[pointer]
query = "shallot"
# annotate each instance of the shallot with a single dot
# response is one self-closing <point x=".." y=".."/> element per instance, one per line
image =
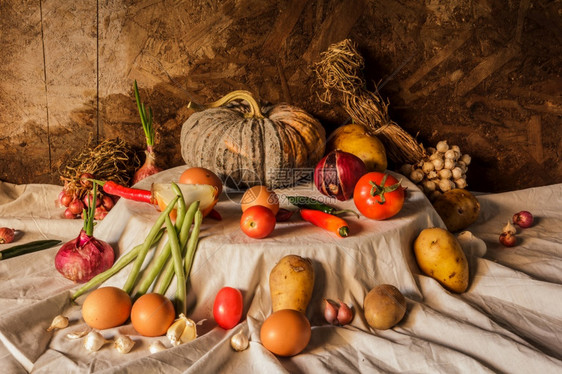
<point x="149" y="167"/>
<point x="523" y="219"/>
<point x="337" y="315"/>
<point x="508" y="239"/>
<point x="6" y="235"/>
<point x="85" y="257"/>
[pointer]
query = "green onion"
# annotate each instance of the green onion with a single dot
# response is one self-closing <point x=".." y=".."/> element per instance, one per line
<point x="146" y="122"/>
<point x="30" y="247"/>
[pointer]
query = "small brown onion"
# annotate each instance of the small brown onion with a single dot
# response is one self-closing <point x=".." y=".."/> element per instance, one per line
<point x="6" y="235"/>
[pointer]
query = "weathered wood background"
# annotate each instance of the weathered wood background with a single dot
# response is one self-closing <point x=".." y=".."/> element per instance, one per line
<point x="483" y="74"/>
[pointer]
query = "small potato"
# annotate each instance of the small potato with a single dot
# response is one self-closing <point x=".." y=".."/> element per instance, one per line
<point x="291" y="282"/>
<point x="384" y="306"/>
<point x="458" y="208"/>
<point x="440" y="256"/>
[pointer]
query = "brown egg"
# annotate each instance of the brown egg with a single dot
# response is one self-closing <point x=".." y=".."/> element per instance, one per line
<point x="196" y="175"/>
<point x="285" y="332"/>
<point x="260" y="195"/>
<point x="106" y="307"/>
<point x="152" y="314"/>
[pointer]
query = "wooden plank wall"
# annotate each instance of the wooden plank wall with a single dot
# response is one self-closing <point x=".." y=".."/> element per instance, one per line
<point x="483" y="74"/>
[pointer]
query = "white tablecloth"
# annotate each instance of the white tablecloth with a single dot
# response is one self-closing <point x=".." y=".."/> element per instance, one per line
<point x="509" y="320"/>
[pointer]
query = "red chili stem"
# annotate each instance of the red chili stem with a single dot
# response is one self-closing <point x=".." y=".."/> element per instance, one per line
<point x="135" y="194"/>
<point x="326" y="221"/>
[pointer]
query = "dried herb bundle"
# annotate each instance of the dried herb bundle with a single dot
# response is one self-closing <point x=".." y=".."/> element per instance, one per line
<point x="112" y="159"/>
<point x="340" y="72"/>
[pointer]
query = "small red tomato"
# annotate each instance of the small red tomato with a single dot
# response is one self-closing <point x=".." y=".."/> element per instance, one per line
<point x="378" y="195"/>
<point x="228" y="307"/>
<point x="257" y="221"/>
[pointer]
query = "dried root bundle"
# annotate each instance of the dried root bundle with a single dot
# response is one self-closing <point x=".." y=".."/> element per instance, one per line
<point x="112" y="159"/>
<point x="340" y="72"/>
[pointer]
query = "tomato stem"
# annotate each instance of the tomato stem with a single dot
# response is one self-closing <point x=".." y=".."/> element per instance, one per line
<point x="380" y="190"/>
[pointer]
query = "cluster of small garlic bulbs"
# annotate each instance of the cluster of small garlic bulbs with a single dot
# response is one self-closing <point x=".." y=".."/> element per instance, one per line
<point x="443" y="170"/>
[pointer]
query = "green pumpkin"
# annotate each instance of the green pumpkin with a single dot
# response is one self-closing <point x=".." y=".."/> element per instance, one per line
<point x="246" y="145"/>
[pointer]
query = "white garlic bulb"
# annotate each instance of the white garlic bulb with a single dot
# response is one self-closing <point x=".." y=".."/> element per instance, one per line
<point x="446" y="185"/>
<point x="442" y="146"/>
<point x="460" y="183"/>
<point x="436" y="155"/>
<point x="449" y="164"/>
<point x="445" y="174"/>
<point x="239" y="341"/>
<point x="456" y="148"/>
<point x="466" y="159"/>
<point x="94" y="341"/>
<point x="438" y="164"/>
<point x="463" y="166"/>
<point x="431" y="175"/>
<point x="430" y="150"/>
<point x="123" y="344"/>
<point x="406" y="169"/>
<point x="427" y="167"/>
<point x="428" y="186"/>
<point x="457" y="172"/>
<point x="416" y="175"/>
<point x="451" y="155"/>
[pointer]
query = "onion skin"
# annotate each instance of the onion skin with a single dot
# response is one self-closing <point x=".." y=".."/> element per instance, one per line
<point x="148" y="168"/>
<point x="337" y="173"/>
<point x="83" y="258"/>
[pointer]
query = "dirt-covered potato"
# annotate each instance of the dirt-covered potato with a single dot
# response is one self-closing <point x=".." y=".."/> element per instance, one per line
<point x="458" y="208"/>
<point x="384" y="306"/>
<point x="440" y="256"/>
<point x="291" y="282"/>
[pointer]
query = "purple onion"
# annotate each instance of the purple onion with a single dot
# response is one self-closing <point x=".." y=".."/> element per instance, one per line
<point x="83" y="258"/>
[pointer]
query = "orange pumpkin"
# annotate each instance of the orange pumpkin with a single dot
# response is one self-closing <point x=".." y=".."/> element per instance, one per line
<point x="246" y="145"/>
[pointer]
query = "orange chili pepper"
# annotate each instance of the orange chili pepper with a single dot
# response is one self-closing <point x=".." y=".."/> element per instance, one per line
<point x="326" y="221"/>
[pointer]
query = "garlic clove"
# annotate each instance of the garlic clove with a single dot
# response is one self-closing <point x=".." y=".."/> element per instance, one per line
<point x="509" y="228"/>
<point x="59" y="322"/>
<point x="345" y="314"/>
<point x="94" y="341"/>
<point x="183" y="330"/>
<point x="123" y="344"/>
<point x="330" y="312"/>
<point x="239" y="341"/>
<point x="156" y="347"/>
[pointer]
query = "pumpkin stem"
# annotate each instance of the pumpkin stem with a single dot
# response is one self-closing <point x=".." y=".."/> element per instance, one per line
<point x="255" y="111"/>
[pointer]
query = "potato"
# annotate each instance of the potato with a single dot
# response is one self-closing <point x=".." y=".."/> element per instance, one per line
<point x="458" y="208"/>
<point x="384" y="306"/>
<point x="440" y="256"/>
<point x="291" y="282"/>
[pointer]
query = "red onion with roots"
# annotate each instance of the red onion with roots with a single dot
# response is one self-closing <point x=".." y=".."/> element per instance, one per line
<point x="337" y="173"/>
<point x="149" y="167"/>
<point x="85" y="257"/>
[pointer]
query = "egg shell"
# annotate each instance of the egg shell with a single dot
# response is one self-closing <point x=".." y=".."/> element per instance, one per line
<point x="106" y="307"/>
<point x="152" y="314"/>
<point x="260" y="195"/>
<point x="285" y="332"/>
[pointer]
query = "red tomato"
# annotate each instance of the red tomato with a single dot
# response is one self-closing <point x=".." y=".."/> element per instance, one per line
<point x="228" y="307"/>
<point x="378" y="195"/>
<point x="257" y="221"/>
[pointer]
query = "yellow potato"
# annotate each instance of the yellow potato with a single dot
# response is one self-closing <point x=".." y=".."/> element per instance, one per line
<point x="384" y="306"/>
<point x="440" y="256"/>
<point x="458" y="208"/>
<point x="290" y="283"/>
<point x="356" y="140"/>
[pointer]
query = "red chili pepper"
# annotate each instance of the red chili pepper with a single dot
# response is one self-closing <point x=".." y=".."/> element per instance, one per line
<point x="128" y="193"/>
<point x="326" y="221"/>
